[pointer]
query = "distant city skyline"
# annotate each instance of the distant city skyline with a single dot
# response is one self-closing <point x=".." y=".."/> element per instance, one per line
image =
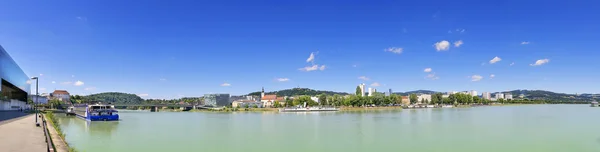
<point x="170" y="50"/>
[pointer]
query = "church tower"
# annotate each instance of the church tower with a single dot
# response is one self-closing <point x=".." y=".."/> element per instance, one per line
<point x="262" y="93"/>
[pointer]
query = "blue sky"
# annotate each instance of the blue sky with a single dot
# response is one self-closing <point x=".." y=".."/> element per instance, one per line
<point x="169" y="49"/>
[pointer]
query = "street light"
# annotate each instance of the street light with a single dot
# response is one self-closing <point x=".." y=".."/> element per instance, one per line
<point x="36" y="100"/>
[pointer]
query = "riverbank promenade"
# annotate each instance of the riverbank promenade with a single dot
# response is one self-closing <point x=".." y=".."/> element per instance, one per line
<point x="21" y="135"/>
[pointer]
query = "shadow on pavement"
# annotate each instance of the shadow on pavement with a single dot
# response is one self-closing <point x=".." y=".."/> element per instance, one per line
<point x="9" y="115"/>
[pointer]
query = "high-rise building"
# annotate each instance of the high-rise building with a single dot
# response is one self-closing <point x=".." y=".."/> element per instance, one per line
<point x="473" y="93"/>
<point x="388" y="93"/>
<point x="499" y="95"/>
<point x="216" y="100"/>
<point x="362" y="89"/>
<point x="486" y="95"/>
<point x="371" y="91"/>
<point x="508" y="96"/>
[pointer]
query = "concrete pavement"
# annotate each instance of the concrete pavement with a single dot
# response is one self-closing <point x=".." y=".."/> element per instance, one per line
<point x="21" y="135"/>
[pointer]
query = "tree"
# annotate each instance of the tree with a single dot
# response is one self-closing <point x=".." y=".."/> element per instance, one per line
<point x="426" y="101"/>
<point x="246" y="106"/>
<point x="501" y="100"/>
<point x="289" y="103"/>
<point x="413" y="98"/>
<point x="446" y="101"/>
<point x="305" y="99"/>
<point x="322" y="99"/>
<point x="358" y="91"/>
<point x="434" y="99"/>
<point x="452" y="99"/>
<point x="276" y="104"/>
<point x="337" y="100"/>
<point x="254" y="106"/>
<point x="476" y="99"/>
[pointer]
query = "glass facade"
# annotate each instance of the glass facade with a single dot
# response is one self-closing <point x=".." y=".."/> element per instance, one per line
<point x="15" y="83"/>
<point x="216" y="100"/>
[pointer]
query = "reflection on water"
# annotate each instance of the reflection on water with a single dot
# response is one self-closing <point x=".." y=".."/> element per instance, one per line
<point x="94" y="128"/>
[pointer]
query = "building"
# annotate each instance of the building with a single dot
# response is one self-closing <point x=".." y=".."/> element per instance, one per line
<point x="486" y="95"/>
<point x="269" y="100"/>
<point x="39" y="99"/>
<point x="424" y="97"/>
<point x="388" y="93"/>
<point x="372" y="91"/>
<point x="405" y="100"/>
<point x="246" y="103"/>
<point x="508" y="96"/>
<point x="216" y="100"/>
<point x="452" y="92"/>
<point x="316" y="99"/>
<point x="61" y="95"/>
<point x="499" y="96"/>
<point x="15" y="84"/>
<point x="362" y="89"/>
<point x="473" y="93"/>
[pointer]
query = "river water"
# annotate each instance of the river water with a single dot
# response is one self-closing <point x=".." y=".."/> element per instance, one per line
<point x="526" y="128"/>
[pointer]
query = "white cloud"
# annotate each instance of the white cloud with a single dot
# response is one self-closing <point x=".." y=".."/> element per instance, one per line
<point x="476" y="78"/>
<point x="364" y="78"/>
<point x="309" y="68"/>
<point x="89" y="88"/>
<point x="311" y="58"/>
<point x="142" y="95"/>
<point x="81" y="18"/>
<point x="225" y="84"/>
<point x="540" y="62"/>
<point x="394" y="50"/>
<point x="66" y="83"/>
<point x="458" y="43"/>
<point x="78" y="83"/>
<point x="442" y="45"/>
<point x="524" y="43"/>
<point x="53" y="81"/>
<point x="322" y="67"/>
<point x="427" y="70"/>
<point x="460" y="30"/>
<point x="283" y="79"/>
<point x="432" y="76"/>
<point x="495" y="59"/>
<point x="492" y="76"/>
<point x="41" y="74"/>
<point x="376" y="84"/>
<point x="511" y="64"/>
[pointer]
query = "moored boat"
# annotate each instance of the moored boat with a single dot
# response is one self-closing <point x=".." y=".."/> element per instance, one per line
<point x="96" y="112"/>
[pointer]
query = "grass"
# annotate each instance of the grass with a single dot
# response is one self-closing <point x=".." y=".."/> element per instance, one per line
<point x="54" y="122"/>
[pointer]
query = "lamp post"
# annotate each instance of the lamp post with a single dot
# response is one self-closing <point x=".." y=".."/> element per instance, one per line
<point x="36" y="100"/>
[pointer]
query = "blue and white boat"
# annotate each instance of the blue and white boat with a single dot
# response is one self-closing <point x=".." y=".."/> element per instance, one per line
<point x="96" y="112"/>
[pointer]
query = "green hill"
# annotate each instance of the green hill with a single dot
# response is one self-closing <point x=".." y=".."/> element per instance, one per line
<point x="298" y="92"/>
<point x="113" y="97"/>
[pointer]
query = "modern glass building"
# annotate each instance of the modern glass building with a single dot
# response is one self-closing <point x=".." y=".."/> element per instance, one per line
<point x="216" y="100"/>
<point x="15" y="85"/>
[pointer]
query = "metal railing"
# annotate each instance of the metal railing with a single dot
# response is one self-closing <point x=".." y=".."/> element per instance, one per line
<point x="47" y="134"/>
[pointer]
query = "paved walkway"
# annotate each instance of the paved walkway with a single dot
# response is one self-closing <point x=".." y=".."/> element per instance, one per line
<point x="21" y="135"/>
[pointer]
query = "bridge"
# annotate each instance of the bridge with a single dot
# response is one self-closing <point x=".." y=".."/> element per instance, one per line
<point x="156" y="107"/>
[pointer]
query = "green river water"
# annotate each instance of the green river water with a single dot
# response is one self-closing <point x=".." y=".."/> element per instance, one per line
<point x="526" y="128"/>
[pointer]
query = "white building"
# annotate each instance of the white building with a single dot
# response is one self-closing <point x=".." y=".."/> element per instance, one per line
<point x="452" y="92"/>
<point x="486" y="95"/>
<point x="61" y="95"/>
<point x="499" y="95"/>
<point x="424" y="97"/>
<point x="371" y="91"/>
<point x="316" y="99"/>
<point x="362" y="89"/>
<point x="473" y="93"/>
<point x="508" y="96"/>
